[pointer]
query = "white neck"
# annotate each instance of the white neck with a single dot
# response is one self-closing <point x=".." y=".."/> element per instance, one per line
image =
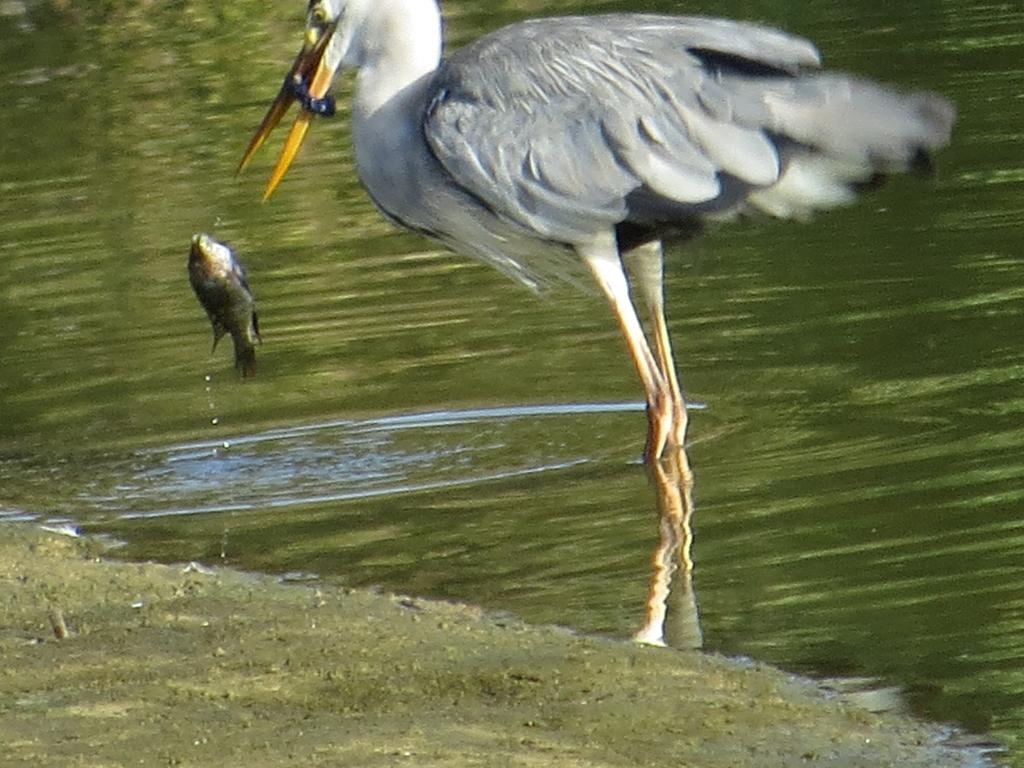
<point x="394" y="44"/>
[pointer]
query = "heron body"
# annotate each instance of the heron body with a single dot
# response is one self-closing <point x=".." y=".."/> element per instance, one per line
<point x="561" y="142"/>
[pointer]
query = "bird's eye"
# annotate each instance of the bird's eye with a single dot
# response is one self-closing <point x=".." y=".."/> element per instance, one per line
<point x="318" y="13"/>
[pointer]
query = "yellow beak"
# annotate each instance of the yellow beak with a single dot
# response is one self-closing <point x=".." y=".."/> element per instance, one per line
<point x="311" y="68"/>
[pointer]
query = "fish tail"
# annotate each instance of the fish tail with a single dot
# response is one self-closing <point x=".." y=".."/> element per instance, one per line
<point x="245" y="358"/>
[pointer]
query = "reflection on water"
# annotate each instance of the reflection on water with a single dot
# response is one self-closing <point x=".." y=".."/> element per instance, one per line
<point x="672" y="561"/>
<point x="860" y="465"/>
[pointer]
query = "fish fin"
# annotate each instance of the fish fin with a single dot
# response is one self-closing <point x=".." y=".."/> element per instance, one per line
<point x="218" y="334"/>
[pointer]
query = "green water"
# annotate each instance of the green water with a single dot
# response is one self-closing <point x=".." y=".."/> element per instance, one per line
<point x="422" y="424"/>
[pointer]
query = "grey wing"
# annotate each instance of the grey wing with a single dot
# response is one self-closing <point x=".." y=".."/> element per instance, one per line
<point x="573" y="124"/>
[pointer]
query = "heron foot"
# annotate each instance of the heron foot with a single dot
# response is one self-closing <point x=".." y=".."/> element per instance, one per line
<point x="666" y="428"/>
<point x="659" y="427"/>
<point x="299" y="88"/>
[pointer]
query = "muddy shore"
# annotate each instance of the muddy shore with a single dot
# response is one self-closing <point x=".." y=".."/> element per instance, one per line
<point x="178" y="666"/>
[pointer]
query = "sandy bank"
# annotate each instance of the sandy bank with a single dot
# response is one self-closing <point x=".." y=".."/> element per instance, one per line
<point x="170" y="666"/>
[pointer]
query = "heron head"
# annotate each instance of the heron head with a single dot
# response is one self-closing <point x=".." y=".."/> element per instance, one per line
<point x="400" y="36"/>
<point x="326" y="48"/>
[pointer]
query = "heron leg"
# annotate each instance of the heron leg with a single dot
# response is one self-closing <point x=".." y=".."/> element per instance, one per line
<point x="646" y="267"/>
<point x="602" y="258"/>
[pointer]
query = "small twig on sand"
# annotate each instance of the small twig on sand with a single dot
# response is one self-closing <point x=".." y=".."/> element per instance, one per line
<point x="60" y="629"/>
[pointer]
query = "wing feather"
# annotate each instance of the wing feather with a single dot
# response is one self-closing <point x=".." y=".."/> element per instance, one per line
<point x="572" y="124"/>
<point x="554" y="123"/>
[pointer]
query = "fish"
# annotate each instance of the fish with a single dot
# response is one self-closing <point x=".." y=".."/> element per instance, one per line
<point x="222" y="286"/>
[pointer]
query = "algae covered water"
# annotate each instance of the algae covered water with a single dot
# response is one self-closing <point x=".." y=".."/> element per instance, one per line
<point x="421" y="424"/>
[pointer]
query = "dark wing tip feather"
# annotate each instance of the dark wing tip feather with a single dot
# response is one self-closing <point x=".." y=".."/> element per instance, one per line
<point x="735" y="64"/>
<point x="922" y="164"/>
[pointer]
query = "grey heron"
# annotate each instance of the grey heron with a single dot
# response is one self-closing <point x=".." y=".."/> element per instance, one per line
<point x="594" y="139"/>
